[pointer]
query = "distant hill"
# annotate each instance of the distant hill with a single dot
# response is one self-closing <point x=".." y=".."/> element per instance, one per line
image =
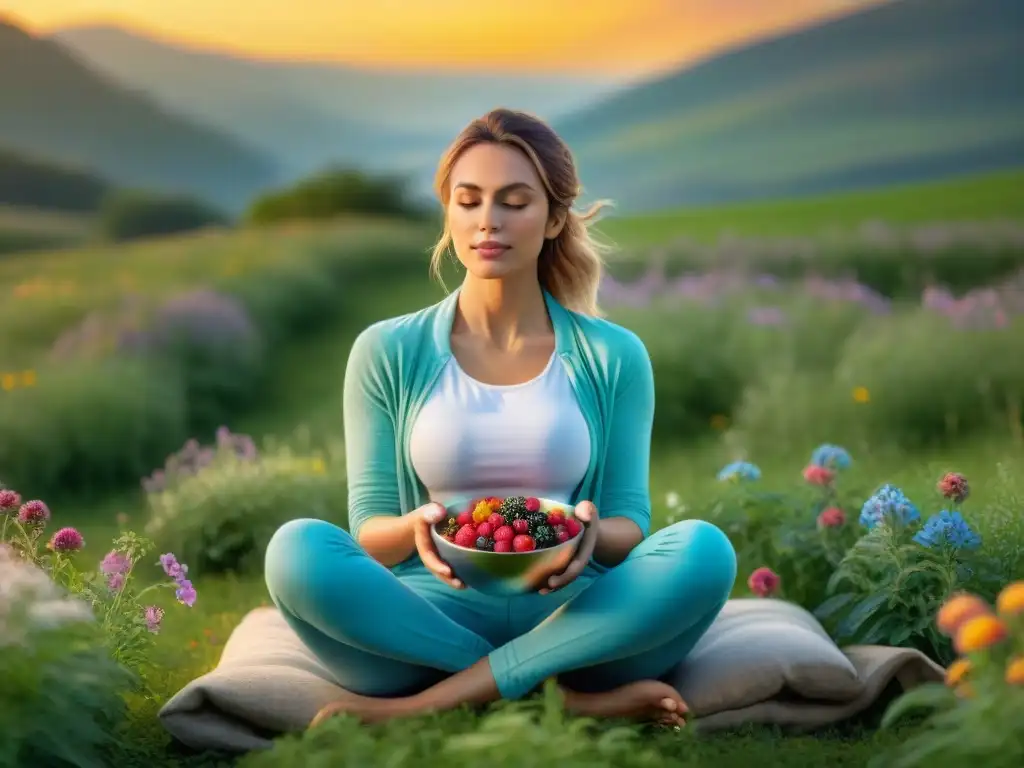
<point x="316" y="114"/>
<point x="55" y="106"/>
<point x="907" y="91"/>
<point x="30" y="182"/>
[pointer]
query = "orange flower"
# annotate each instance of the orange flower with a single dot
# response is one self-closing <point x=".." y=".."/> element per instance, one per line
<point x="979" y="633"/>
<point x="957" y="671"/>
<point x="1011" y="600"/>
<point x="1015" y="671"/>
<point x="482" y="512"/>
<point x="957" y="610"/>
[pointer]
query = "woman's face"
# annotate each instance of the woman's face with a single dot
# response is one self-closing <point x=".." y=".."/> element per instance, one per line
<point x="498" y="212"/>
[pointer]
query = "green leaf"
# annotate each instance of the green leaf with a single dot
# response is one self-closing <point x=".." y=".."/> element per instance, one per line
<point x="930" y="696"/>
<point x="833" y="604"/>
<point x="863" y="611"/>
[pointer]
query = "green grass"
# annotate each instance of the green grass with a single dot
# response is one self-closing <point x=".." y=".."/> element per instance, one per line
<point x="990" y="196"/>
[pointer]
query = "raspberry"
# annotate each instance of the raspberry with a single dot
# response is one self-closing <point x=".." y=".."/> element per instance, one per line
<point x="572" y="525"/>
<point x="466" y="536"/>
<point x="520" y="526"/>
<point x="556" y="519"/>
<point x="465" y="518"/>
<point x="562" y="534"/>
<point x="523" y="543"/>
<point x="532" y="504"/>
<point x="504" y="545"/>
<point x="484" y="543"/>
<point x="496" y="520"/>
<point x="484" y="529"/>
<point x="504" y="533"/>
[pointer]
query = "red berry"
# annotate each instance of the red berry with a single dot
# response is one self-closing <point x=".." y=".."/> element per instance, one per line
<point x="504" y="533"/>
<point x="520" y="526"/>
<point x="556" y="519"/>
<point x="484" y="529"/>
<point x="496" y="520"/>
<point x="523" y="543"/>
<point x="562" y="534"/>
<point x="466" y="536"/>
<point x="572" y="525"/>
<point x="465" y="518"/>
<point x="532" y="504"/>
<point x="503" y="545"/>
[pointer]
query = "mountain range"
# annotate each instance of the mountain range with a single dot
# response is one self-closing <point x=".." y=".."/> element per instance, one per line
<point x="904" y="91"/>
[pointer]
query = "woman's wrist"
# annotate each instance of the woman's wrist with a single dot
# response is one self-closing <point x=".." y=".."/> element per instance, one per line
<point x="616" y="538"/>
<point x="389" y="539"/>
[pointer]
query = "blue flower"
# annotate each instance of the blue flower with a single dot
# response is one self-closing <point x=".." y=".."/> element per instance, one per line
<point x="888" y="502"/>
<point x="831" y="457"/>
<point x="947" y="528"/>
<point x="740" y="470"/>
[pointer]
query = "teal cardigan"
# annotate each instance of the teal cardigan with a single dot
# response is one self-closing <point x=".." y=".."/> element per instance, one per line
<point x="394" y="364"/>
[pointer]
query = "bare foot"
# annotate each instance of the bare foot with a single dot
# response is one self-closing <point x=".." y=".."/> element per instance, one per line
<point x="367" y="709"/>
<point x="643" y="700"/>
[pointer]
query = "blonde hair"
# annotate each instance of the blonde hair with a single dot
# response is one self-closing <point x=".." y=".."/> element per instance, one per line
<point x="570" y="265"/>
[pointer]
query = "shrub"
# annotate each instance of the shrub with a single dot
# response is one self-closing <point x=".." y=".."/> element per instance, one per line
<point x="219" y="506"/>
<point x="130" y="215"/>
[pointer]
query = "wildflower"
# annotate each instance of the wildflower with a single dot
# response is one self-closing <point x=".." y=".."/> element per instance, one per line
<point x="115" y="563"/>
<point x="1010" y="601"/>
<point x="672" y="500"/>
<point x="185" y="593"/>
<point x="831" y="517"/>
<point x="979" y="633"/>
<point x="959" y="609"/>
<point x="861" y="395"/>
<point x="739" y="470"/>
<point x="816" y="475"/>
<point x="888" y="503"/>
<point x="66" y="540"/>
<point x="947" y="528"/>
<point x="115" y="582"/>
<point x="957" y="671"/>
<point x="954" y="487"/>
<point x="831" y="457"/>
<point x="9" y="500"/>
<point x="172" y="567"/>
<point x="33" y="513"/>
<point x="154" y="616"/>
<point x="1015" y="671"/>
<point x="763" y="582"/>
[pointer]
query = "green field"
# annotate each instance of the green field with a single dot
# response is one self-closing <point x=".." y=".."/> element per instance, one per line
<point x="762" y="394"/>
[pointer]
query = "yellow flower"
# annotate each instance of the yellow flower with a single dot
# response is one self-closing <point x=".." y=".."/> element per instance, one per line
<point x="8" y="381"/>
<point x="318" y="466"/>
<point x="957" y="610"/>
<point x="1015" y="671"/>
<point x="957" y="672"/>
<point x="481" y="512"/>
<point x="28" y="378"/>
<point x="979" y="633"/>
<point x="1011" y="600"/>
<point x="861" y="395"/>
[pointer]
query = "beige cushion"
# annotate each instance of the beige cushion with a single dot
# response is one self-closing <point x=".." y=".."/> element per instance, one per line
<point x="762" y="661"/>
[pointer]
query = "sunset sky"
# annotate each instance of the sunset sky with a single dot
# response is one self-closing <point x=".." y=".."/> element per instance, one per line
<point x="604" y="36"/>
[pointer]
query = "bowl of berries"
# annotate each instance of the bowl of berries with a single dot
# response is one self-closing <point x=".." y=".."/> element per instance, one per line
<point x="508" y="546"/>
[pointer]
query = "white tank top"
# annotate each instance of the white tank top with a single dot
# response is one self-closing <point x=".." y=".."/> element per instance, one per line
<point x="474" y="439"/>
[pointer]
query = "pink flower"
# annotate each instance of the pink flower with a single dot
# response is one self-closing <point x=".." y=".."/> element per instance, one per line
<point x="172" y="567"/>
<point x="763" y="582"/>
<point x="66" y="540"/>
<point x="185" y="593"/>
<point x="816" y="475"/>
<point x="33" y="513"/>
<point x="154" y="616"/>
<point x="9" y="500"/>
<point x="832" y="517"/>
<point x="954" y="486"/>
<point x="115" y="563"/>
<point x="115" y="582"/>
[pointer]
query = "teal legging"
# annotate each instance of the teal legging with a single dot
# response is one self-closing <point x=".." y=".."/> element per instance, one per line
<point x="387" y="634"/>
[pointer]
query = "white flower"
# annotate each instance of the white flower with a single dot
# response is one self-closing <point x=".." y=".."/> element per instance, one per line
<point x="672" y="500"/>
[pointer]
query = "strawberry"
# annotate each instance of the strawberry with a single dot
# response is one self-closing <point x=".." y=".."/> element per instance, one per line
<point x="466" y="536"/>
<point x="520" y="526"/>
<point x="503" y="545"/>
<point x="504" y="533"/>
<point x="572" y="525"/>
<point x="484" y="529"/>
<point x="523" y="543"/>
<point x="556" y="519"/>
<point x="465" y="518"/>
<point x="532" y="504"/>
<point x="496" y="520"/>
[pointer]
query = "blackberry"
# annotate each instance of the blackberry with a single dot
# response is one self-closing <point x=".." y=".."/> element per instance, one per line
<point x="485" y="543"/>
<point x="545" y="536"/>
<point x="448" y="527"/>
<point x="536" y="519"/>
<point x="513" y="508"/>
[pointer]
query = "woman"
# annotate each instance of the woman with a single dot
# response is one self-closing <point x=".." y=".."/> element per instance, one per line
<point x="510" y="386"/>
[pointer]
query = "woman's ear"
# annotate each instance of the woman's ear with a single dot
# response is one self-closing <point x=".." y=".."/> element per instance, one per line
<point x="556" y="222"/>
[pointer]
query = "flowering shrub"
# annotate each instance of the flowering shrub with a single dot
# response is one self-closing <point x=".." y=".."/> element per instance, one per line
<point x="219" y="506"/>
<point x="977" y="714"/>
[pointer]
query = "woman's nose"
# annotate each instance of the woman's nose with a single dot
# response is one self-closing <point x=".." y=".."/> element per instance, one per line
<point x="490" y="219"/>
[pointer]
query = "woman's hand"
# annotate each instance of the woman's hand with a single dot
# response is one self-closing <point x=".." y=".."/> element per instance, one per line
<point x="586" y="513"/>
<point x="423" y="518"/>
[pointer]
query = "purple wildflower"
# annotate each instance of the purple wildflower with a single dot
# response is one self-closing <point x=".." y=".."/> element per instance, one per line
<point x="66" y="540"/>
<point x="115" y="563"/>
<point x="154" y="616"/>
<point x="9" y="500"/>
<point x="115" y="582"/>
<point x="33" y="513"/>
<point x="185" y="593"/>
<point x="172" y="567"/>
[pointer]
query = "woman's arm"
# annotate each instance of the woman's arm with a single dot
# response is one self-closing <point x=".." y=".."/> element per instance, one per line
<point x="374" y="509"/>
<point x="624" y="509"/>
